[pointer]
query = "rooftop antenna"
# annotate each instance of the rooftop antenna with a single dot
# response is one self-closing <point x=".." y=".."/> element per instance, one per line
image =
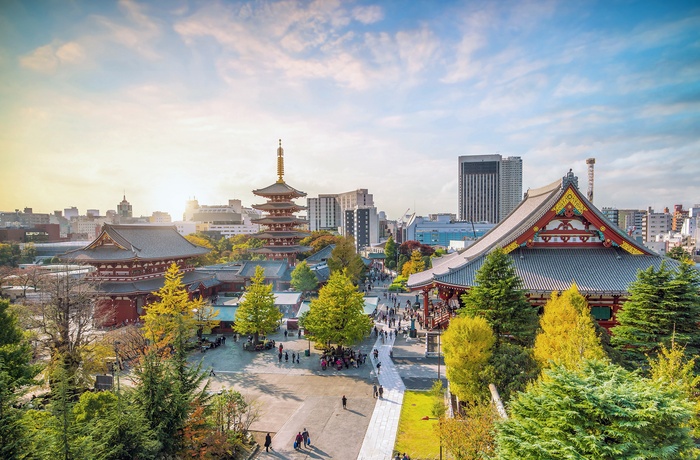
<point x="591" y="164"/>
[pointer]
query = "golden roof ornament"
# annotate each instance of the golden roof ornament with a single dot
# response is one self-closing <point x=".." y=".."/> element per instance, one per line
<point x="280" y="163"/>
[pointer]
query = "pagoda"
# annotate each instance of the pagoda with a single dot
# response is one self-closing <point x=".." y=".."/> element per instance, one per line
<point x="281" y="233"/>
<point x="555" y="237"/>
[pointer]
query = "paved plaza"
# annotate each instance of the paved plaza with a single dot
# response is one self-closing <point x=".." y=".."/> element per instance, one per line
<point x="294" y="396"/>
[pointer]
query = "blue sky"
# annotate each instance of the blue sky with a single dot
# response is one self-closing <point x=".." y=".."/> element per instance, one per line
<point x="169" y="100"/>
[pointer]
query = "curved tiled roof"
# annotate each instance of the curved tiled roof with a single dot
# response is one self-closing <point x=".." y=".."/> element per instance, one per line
<point x="190" y="279"/>
<point x="277" y="205"/>
<point x="145" y="242"/>
<point x="270" y="220"/>
<point x="529" y="211"/>
<point x="279" y="188"/>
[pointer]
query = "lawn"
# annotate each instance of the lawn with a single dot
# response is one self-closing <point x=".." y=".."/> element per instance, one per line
<point x="417" y="437"/>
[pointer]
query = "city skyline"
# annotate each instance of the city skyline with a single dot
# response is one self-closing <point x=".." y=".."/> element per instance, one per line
<point x="168" y="101"/>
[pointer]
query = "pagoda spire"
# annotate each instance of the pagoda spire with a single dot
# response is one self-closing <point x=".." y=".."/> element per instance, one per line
<point x="280" y="163"/>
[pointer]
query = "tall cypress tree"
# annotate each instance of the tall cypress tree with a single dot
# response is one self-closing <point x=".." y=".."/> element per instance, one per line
<point x="661" y="301"/>
<point x="500" y="299"/>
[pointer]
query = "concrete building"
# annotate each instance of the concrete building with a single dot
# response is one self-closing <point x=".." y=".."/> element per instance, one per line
<point x="222" y="220"/>
<point x="124" y="209"/>
<point x="362" y="223"/>
<point x="70" y="213"/>
<point x="160" y="217"/>
<point x="655" y="223"/>
<point x="490" y="187"/>
<point x="324" y="213"/>
<point x="612" y="214"/>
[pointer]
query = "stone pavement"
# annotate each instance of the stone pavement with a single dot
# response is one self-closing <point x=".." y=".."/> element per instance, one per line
<point x="292" y="397"/>
<point x="381" y="434"/>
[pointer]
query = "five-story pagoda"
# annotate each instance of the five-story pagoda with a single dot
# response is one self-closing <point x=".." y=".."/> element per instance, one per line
<point x="281" y="234"/>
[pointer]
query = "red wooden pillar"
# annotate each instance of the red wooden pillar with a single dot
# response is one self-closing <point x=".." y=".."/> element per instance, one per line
<point x="425" y="307"/>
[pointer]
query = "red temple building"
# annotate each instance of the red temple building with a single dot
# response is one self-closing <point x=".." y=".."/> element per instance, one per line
<point x="555" y="237"/>
<point x="130" y="263"/>
<point x="281" y="234"/>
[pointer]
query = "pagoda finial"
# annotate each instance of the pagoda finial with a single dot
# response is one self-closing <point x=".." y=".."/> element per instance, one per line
<point x="280" y="163"/>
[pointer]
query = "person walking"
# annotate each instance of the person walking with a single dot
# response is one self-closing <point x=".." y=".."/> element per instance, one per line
<point x="345" y="402"/>
<point x="279" y="355"/>
<point x="379" y="367"/>
<point x="307" y="438"/>
<point x="294" y="357"/>
<point x="374" y="393"/>
<point x="268" y="442"/>
<point x="286" y="357"/>
<point x="298" y="440"/>
<point x="381" y="392"/>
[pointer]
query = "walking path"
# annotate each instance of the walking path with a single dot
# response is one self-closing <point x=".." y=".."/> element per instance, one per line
<point x="381" y="434"/>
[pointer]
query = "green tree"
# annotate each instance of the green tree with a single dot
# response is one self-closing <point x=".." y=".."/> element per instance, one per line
<point x="567" y="333"/>
<point x="204" y="241"/>
<point x="662" y="303"/>
<point x="595" y="411"/>
<point x="337" y="316"/>
<point x="16" y="371"/>
<point x="671" y="368"/>
<point x="10" y="254"/>
<point x="345" y="258"/>
<point x="318" y="240"/>
<point x="303" y="279"/>
<point x="257" y="313"/>
<point x="498" y="296"/>
<point x="678" y="253"/>
<point x="390" y="252"/>
<point x="467" y="344"/>
<point x="511" y="368"/>
<point x="173" y="311"/>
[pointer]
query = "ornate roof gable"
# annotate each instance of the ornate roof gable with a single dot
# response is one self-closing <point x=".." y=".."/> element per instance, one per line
<point x="574" y="222"/>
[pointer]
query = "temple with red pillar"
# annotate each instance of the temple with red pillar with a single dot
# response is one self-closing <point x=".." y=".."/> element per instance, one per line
<point x="281" y="235"/>
<point x="130" y="263"/>
<point x="555" y="237"/>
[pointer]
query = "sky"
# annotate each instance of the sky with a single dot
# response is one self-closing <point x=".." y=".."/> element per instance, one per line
<point x="165" y="101"/>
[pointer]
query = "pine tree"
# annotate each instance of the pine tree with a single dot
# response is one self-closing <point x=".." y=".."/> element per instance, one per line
<point x="303" y="279"/>
<point x="567" y="333"/>
<point x="499" y="298"/>
<point x="660" y="303"/>
<point x="596" y="411"/>
<point x="337" y="316"/>
<point x="257" y="313"/>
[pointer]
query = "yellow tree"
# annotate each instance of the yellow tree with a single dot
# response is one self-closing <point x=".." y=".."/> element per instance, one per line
<point x="467" y="344"/>
<point x="415" y="265"/>
<point x="257" y="313"/>
<point x="173" y="313"/>
<point x="567" y="333"/>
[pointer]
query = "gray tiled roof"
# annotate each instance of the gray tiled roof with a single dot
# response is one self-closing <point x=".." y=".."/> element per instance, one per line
<point x="278" y="220"/>
<point x="320" y="256"/>
<point x="151" y="285"/>
<point x="594" y="270"/>
<point x="145" y="242"/>
<point x="279" y="188"/>
<point x="529" y="211"/>
<point x="280" y="249"/>
<point x="286" y="205"/>
<point x="274" y="269"/>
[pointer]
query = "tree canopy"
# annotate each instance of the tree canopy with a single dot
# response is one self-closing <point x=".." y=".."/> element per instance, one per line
<point x="414" y="265"/>
<point x="390" y="252"/>
<point x="567" y="333"/>
<point x="498" y="297"/>
<point x="596" y="411"/>
<point x="467" y="344"/>
<point x="173" y="311"/>
<point x="344" y="258"/>
<point x="257" y="313"/>
<point x="303" y="279"/>
<point x="678" y="253"/>
<point x="337" y="316"/>
<point x="662" y="304"/>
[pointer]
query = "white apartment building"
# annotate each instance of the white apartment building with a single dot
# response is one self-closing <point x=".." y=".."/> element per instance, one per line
<point x="227" y="220"/>
<point x="324" y="213"/>
<point x="655" y="223"/>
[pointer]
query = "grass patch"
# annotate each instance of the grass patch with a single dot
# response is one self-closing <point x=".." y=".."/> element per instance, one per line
<point x="417" y="437"/>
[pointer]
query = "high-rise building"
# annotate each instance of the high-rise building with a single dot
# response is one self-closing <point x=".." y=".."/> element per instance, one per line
<point x="361" y="222"/>
<point x="324" y="213"/>
<point x="490" y="187"/>
<point x="124" y="208"/>
<point x="655" y="223"/>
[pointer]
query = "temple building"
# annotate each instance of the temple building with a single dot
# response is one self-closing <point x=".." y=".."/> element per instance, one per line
<point x="281" y="234"/>
<point x="131" y="261"/>
<point x="555" y="237"/>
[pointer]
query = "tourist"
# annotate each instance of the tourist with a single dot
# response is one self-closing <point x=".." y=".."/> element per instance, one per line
<point x="379" y="367"/>
<point x="294" y="357"/>
<point x="374" y="392"/>
<point x="345" y="402"/>
<point x="381" y="392"/>
<point x="298" y="440"/>
<point x="305" y="435"/>
<point x="279" y="355"/>
<point x="286" y="357"/>
<point x="268" y="442"/>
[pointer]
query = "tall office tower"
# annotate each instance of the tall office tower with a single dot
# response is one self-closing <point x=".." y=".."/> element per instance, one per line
<point x="490" y="187"/>
<point x="362" y="224"/>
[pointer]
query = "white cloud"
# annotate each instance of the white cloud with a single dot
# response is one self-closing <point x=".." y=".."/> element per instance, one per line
<point x="368" y="14"/>
<point x="575" y="85"/>
<point x="49" y="58"/>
